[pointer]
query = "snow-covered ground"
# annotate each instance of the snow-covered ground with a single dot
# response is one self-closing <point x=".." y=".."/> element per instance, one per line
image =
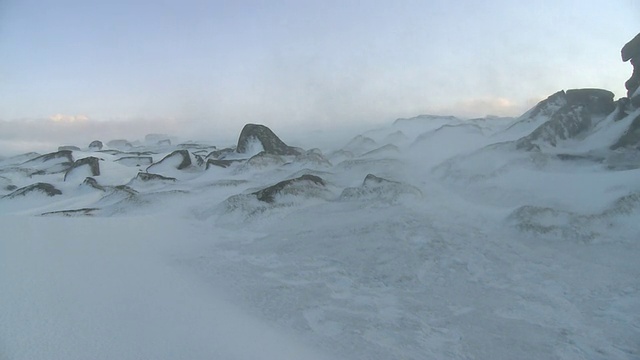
<point x="460" y="246"/>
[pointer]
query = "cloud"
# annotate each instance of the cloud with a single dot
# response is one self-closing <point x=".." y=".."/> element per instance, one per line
<point x="68" y="118"/>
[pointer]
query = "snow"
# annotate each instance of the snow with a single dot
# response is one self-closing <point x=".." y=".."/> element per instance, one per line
<point x="471" y="250"/>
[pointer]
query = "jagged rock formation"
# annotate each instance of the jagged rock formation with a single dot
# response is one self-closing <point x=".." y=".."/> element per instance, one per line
<point x="577" y="109"/>
<point x="631" y="138"/>
<point x="268" y="194"/>
<point x="631" y="51"/>
<point x="271" y="143"/>
<point x="220" y="163"/>
<point x="92" y="162"/>
<point x="178" y="159"/>
<point x="62" y="154"/>
<point x="95" y="145"/>
<point x="45" y="188"/>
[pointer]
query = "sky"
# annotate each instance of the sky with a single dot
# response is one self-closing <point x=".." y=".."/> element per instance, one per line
<point x="77" y="70"/>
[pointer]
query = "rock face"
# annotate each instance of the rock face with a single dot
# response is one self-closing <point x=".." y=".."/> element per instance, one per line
<point x="377" y="188"/>
<point x="92" y="162"/>
<point x="270" y="142"/>
<point x="574" y="117"/>
<point x="268" y="194"/>
<point x="631" y="138"/>
<point x="68" y="147"/>
<point x="631" y="51"/>
<point x="92" y="183"/>
<point x="143" y="176"/>
<point x="95" y="145"/>
<point x="62" y="154"/>
<point x="178" y="159"/>
<point x="45" y="188"/>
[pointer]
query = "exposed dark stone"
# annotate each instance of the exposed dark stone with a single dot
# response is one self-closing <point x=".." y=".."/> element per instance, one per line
<point x="220" y="154"/>
<point x="10" y="187"/>
<point x="91" y="182"/>
<point x="547" y="106"/>
<point x="135" y="160"/>
<point x="372" y="179"/>
<point x="199" y="159"/>
<point x="566" y="123"/>
<point x="62" y="154"/>
<point x="220" y="163"/>
<point x="119" y="143"/>
<point x="74" y="212"/>
<point x="93" y="163"/>
<point x="68" y="147"/>
<point x="270" y="142"/>
<point x="143" y="176"/>
<point x="184" y="154"/>
<point x="631" y="138"/>
<point x="45" y="188"/>
<point x="268" y="194"/>
<point x="597" y="101"/>
<point x="631" y="51"/>
<point x="96" y="144"/>
<point x="125" y="188"/>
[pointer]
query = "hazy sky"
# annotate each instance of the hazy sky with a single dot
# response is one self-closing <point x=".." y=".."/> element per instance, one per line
<point x="219" y="64"/>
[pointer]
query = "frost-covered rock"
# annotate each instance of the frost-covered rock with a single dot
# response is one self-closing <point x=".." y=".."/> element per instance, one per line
<point x="179" y="159"/>
<point x="44" y="188"/>
<point x="96" y="145"/>
<point x="89" y="166"/>
<point x="68" y="147"/>
<point x="51" y="163"/>
<point x="93" y="184"/>
<point x="631" y="137"/>
<point x="298" y="186"/>
<point x="579" y="108"/>
<point x="271" y="143"/>
<point x="377" y="188"/>
<point x="121" y="144"/>
<point x="146" y="177"/>
<point x="135" y="161"/>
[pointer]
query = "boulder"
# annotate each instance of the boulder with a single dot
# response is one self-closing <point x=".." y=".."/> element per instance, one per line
<point x="68" y="147"/>
<point x="380" y="189"/>
<point x="271" y="143"/>
<point x="119" y="144"/>
<point x="92" y="162"/>
<point x="178" y="159"/>
<point x="631" y="137"/>
<point x="93" y="183"/>
<point x="95" y="145"/>
<point x="41" y="187"/>
<point x="143" y="176"/>
<point x="268" y="194"/>
<point x="62" y="154"/>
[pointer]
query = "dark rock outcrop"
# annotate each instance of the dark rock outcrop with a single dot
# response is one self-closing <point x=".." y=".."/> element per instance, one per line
<point x="220" y="154"/>
<point x="573" y="117"/>
<point x="631" y="138"/>
<point x="93" y="183"/>
<point x="96" y="145"/>
<point x="143" y="176"/>
<point x="220" y="163"/>
<point x="268" y="194"/>
<point x="270" y="142"/>
<point x="380" y="189"/>
<point x="92" y="162"/>
<point x="62" y="154"/>
<point x="45" y="188"/>
<point x="631" y="52"/>
<point x="182" y="155"/>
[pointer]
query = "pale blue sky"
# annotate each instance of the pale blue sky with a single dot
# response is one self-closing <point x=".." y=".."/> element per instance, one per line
<point x="225" y="63"/>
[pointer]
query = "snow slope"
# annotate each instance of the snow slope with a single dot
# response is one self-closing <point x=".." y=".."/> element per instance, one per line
<point x="431" y="238"/>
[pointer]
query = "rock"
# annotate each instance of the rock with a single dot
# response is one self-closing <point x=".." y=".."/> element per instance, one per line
<point x="119" y="144"/>
<point x="164" y="142"/>
<point x="45" y="188"/>
<point x="631" y="138"/>
<point x="135" y="161"/>
<point x="178" y="159"/>
<point x="95" y="145"/>
<point x="220" y="154"/>
<point x="92" y="162"/>
<point x="270" y="142"/>
<point x="220" y="163"/>
<point x="377" y="188"/>
<point x="631" y="51"/>
<point x="573" y="117"/>
<point x="62" y="154"/>
<point x="93" y="183"/>
<point x="68" y="147"/>
<point x="268" y="194"/>
<point x="144" y="176"/>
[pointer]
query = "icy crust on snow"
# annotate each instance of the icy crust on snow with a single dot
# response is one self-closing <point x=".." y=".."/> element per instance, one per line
<point x="433" y="237"/>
